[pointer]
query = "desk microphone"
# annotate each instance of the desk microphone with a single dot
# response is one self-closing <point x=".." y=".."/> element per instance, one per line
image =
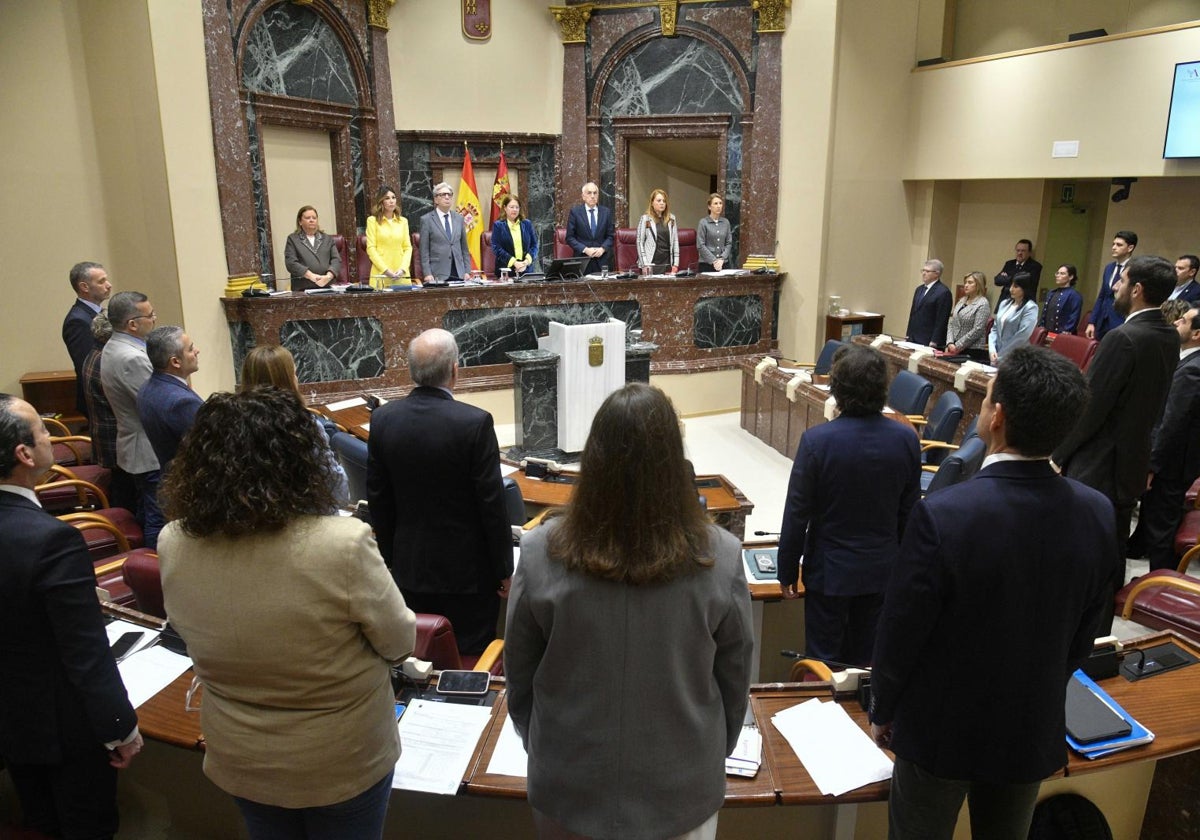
<point x="766" y="533"/>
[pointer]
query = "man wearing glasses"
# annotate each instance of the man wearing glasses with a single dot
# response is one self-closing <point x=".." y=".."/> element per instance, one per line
<point x="930" y="308"/>
<point x="124" y="368"/>
<point x="444" y="253"/>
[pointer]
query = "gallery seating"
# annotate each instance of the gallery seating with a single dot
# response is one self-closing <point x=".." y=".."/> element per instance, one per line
<point x="1078" y="349"/>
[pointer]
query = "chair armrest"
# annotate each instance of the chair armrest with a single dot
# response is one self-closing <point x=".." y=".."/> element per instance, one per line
<point x="1187" y="584"/>
<point x="927" y="445"/>
<point x="82" y="489"/>
<point x="810" y="666"/>
<point x="917" y="419"/>
<point x="56" y="427"/>
<point x="1188" y="556"/>
<point x="490" y="656"/>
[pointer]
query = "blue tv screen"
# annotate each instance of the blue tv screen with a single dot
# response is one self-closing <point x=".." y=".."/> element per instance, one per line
<point x="1183" y="123"/>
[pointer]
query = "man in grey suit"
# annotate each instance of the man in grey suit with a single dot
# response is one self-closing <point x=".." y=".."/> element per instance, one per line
<point x="444" y="253"/>
<point x="124" y="368"/>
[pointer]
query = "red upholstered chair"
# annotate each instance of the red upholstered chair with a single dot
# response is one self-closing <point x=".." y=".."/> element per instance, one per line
<point x="1187" y="534"/>
<point x="343" y="250"/>
<point x="1081" y="327"/>
<point x="436" y="643"/>
<point x="364" y="262"/>
<point x="561" y="249"/>
<point x="109" y="575"/>
<point x="100" y="541"/>
<point x="1078" y="349"/>
<point x="487" y="257"/>
<point x="1038" y="336"/>
<point x="626" y="248"/>
<point x="142" y="575"/>
<point x="689" y="254"/>
<point x="1163" y="600"/>
<point x="1193" y="492"/>
<point x="415" y="265"/>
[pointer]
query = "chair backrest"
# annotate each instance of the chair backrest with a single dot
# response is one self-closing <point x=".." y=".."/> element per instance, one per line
<point x="909" y="392"/>
<point x="141" y="574"/>
<point x="343" y="250"/>
<point x="561" y="249"/>
<point x="1038" y="336"/>
<point x="689" y="254"/>
<point x="626" y="248"/>
<point x="436" y="642"/>
<point x="364" y="262"/>
<point x="415" y="266"/>
<point x="1077" y="348"/>
<point x="825" y="359"/>
<point x="959" y="465"/>
<point x="945" y="417"/>
<point x="487" y="257"/>
<point x="514" y="502"/>
<point x="352" y="452"/>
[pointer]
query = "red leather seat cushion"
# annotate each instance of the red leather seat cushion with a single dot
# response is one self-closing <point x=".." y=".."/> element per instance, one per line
<point x="1187" y="533"/>
<point x="1165" y="609"/>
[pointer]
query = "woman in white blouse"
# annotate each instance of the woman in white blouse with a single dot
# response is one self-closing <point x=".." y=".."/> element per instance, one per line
<point x="1016" y="319"/>
<point x="966" y="333"/>
<point x="658" y="236"/>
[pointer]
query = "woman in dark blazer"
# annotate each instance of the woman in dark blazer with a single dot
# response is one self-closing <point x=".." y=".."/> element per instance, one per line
<point x="309" y="255"/>
<point x="510" y="253"/>
<point x="1064" y="304"/>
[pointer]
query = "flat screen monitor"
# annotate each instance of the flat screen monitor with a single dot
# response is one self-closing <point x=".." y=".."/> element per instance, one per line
<point x="1183" y="123"/>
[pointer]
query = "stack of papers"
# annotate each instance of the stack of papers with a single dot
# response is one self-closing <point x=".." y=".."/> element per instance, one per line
<point x="1137" y="736"/>
<point x="437" y="741"/>
<point x="747" y="755"/>
<point x="838" y="754"/>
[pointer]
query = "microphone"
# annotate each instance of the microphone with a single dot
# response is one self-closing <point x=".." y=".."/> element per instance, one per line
<point x="766" y="533"/>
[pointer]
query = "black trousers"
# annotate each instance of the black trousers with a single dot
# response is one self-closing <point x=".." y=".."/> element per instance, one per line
<point x="75" y="799"/>
<point x="1162" y="509"/>
<point x="841" y="628"/>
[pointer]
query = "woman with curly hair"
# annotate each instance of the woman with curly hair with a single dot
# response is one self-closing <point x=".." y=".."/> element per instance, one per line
<point x="291" y="620"/>
<point x="635" y="575"/>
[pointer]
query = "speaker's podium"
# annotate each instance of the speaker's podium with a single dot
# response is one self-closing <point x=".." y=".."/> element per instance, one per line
<point x="559" y="386"/>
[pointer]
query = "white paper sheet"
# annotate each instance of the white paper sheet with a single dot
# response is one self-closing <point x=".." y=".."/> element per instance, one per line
<point x="507" y="470"/>
<point x="509" y="758"/>
<point x="436" y="744"/>
<point x="150" y="671"/>
<point x="838" y="754"/>
<point x="342" y="405"/>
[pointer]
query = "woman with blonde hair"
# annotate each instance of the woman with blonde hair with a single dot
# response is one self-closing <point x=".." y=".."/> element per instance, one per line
<point x="634" y="574"/>
<point x="389" y="245"/>
<point x="966" y="332"/>
<point x="269" y="365"/>
<point x="658" y="236"/>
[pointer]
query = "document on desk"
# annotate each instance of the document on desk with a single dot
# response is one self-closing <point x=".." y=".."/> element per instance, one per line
<point x="149" y="671"/>
<point x="342" y="405"/>
<point x="509" y="757"/>
<point x="437" y="741"/>
<point x="834" y="750"/>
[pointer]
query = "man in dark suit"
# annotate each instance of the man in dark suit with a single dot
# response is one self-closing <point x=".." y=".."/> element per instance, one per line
<point x="1104" y="314"/>
<point x="1016" y="550"/>
<point x="1186" y="286"/>
<point x="166" y="404"/>
<point x="853" y="483"/>
<point x="1022" y="261"/>
<point x="437" y="500"/>
<point x="930" y="308"/>
<point x="444" y="252"/>
<point x="66" y="724"/>
<point x="590" y="230"/>
<point x="1175" y="455"/>
<point x="1109" y="448"/>
<point x="89" y="282"/>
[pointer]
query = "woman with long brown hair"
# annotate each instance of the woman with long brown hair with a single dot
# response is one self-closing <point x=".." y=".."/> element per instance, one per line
<point x="628" y="642"/>
<point x="658" y="236"/>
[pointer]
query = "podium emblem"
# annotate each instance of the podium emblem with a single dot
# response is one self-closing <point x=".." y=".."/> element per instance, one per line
<point x="595" y="351"/>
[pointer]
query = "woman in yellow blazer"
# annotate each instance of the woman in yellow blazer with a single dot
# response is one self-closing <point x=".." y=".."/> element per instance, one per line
<point x="388" y="244"/>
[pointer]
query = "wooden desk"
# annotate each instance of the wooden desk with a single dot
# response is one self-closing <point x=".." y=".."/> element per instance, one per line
<point x="52" y="392"/>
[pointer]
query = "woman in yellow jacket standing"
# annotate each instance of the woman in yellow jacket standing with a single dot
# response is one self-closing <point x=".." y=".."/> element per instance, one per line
<point x="388" y="244"/>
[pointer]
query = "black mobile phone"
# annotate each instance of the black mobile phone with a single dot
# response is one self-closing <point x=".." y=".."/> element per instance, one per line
<point x="124" y="644"/>
<point x="463" y="682"/>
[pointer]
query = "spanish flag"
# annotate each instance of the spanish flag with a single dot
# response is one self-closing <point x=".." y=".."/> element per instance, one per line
<point x="468" y="207"/>
<point x="500" y="189"/>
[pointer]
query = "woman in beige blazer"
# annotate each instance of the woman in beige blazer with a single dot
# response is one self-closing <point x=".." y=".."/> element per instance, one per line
<point x="291" y="620"/>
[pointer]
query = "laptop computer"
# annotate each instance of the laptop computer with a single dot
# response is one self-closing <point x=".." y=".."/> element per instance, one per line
<point x="563" y="268"/>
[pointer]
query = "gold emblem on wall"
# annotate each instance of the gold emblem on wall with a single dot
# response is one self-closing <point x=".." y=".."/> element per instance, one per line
<point x="377" y="13"/>
<point x="572" y="21"/>
<point x="668" y="14"/>
<point x="595" y="351"/>
<point x="477" y="19"/>
<point x="771" y="14"/>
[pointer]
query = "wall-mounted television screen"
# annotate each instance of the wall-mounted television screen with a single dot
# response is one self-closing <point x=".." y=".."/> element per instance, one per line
<point x="1183" y="123"/>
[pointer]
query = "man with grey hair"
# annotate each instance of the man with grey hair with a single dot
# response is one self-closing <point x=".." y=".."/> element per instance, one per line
<point x="930" y="308"/>
<point x="166" y="404"/>
<point x="437" y="498"/>
<point x="124" y="369"/>
<point x="444" y="252"/>
<point x="89" y="282"/>
<point x="590" y="230"/>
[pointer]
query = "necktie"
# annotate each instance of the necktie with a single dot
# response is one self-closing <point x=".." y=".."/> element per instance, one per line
<point x="446" y="221"/>
<point x="1116" y="274"/>
<point x="592" y="215"/>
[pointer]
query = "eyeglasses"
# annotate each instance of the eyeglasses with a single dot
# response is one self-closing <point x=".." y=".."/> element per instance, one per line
<point x="151" y="316"/>
<point x="442" y="195"/>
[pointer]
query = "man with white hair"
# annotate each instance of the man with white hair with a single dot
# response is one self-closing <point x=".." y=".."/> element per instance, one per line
<point x="444" y="251"/>
<point x="930" y="308"/>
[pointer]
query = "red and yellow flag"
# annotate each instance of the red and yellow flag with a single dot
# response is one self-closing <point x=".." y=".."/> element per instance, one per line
<point x="500" y="189"/>
<point x="468" y="207"/>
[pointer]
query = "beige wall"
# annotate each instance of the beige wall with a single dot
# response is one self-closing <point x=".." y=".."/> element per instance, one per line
<point x="686" y="188"/>
<point x="299" y="173"/>
<point x="992" y="216"/>
<point x="985" y="27"/>
<point x="511" y="82"/>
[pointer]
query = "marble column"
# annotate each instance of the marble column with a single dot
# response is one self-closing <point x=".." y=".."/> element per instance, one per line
<point x="535" y="398"/>
<point x="573" y="158"/>
<point x="637" y="361"/>
<point x="761" y="159"/>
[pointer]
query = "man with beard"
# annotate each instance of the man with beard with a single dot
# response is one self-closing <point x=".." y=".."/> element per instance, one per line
<point x="1109" y="448"/>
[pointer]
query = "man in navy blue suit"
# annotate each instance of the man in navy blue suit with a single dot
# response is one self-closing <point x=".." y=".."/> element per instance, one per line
<point x="1104" y="314"/>
<point x="590" y="230"/>
<point x="992" y="606"/>
<point x="930" y="311"/>
<point x="166" y="404"/>
<point x="89" y="282"/>
<point x="1186" y="286"/>
<point x="853" y="483"/>
<point x="66" y="724"/>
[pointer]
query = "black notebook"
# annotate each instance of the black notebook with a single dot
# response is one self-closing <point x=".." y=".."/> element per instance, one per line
<point x="1089" y="718"/>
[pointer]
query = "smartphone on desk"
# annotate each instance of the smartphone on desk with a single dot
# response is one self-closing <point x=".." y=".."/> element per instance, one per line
<point x="472" y="683"/>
